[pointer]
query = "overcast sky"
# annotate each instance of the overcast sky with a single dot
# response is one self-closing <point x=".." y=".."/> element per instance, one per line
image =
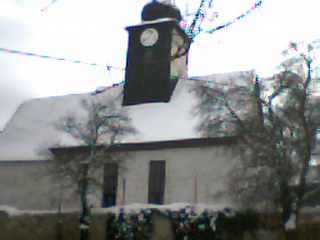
<point x="93" y="31"/>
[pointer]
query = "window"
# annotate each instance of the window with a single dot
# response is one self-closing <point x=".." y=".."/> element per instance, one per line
<point x="110" y="184"/>
<point x="157" y="177"/>
<point x="148" y="55"/>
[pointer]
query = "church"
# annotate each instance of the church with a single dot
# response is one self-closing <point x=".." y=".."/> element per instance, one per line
<point x="166" y="161"/>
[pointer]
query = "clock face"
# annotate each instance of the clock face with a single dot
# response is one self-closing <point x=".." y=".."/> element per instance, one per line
<point x="149" y="37"/>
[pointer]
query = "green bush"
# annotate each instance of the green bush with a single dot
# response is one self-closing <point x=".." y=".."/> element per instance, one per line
<point x="185" y="223"/>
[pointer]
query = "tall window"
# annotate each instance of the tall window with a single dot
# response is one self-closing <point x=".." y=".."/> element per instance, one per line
<point x="157" y="178"/>
<point x="110" y="184"/>
<point x="148" y="55"/>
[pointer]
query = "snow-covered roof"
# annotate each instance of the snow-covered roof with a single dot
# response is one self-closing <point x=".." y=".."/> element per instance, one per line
<point x="33" y="126"/>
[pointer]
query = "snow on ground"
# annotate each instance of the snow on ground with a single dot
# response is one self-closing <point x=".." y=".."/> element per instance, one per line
<point x="130" y="208"/>
<point x="8" y="210"/>
<point x="137" y="207"/>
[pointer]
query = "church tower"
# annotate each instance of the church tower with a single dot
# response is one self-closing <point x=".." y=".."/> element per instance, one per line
<point x="157" y="55"/>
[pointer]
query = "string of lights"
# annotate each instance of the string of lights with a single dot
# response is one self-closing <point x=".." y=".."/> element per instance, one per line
<point x="50" y="3"/>
<point x="98" y="91"/>
<point x="109" y="67"/>
<point x="197" y="20"/>
<point x="195" y="27"/>
<point x="246" y="13"/>
<point x="193" y="31"/>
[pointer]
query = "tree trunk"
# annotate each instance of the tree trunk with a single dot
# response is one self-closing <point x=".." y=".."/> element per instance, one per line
<point x="285" y="200"/>
<point x="84" y="223"/>
<point x="302" y="185"/>
<point x="306" y="154"/>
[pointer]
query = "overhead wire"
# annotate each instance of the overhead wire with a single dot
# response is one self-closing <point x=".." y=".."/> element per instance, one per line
<point x="192" y="31"/>
<point x="239" y="17"/>
<point x="13" y="51"/>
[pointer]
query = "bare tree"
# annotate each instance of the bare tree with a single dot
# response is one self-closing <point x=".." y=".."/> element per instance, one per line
<point x="101" y="127"/>
<point x="167" y="9"/>
<point x="276" y="124"/>
<point x="302" y="110"/>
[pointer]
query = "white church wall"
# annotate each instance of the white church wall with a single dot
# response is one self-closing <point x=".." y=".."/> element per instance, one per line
<point x="207" y="167"/>
<point x="28" y="185"/>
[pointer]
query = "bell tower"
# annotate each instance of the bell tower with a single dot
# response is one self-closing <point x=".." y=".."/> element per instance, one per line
<point x="157" y="55"/>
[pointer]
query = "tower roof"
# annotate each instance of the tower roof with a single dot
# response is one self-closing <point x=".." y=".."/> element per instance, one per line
<point x="156" y="10"/>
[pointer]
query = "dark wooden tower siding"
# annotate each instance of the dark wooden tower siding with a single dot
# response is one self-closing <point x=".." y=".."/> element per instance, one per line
<point x="149" y="75"/>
